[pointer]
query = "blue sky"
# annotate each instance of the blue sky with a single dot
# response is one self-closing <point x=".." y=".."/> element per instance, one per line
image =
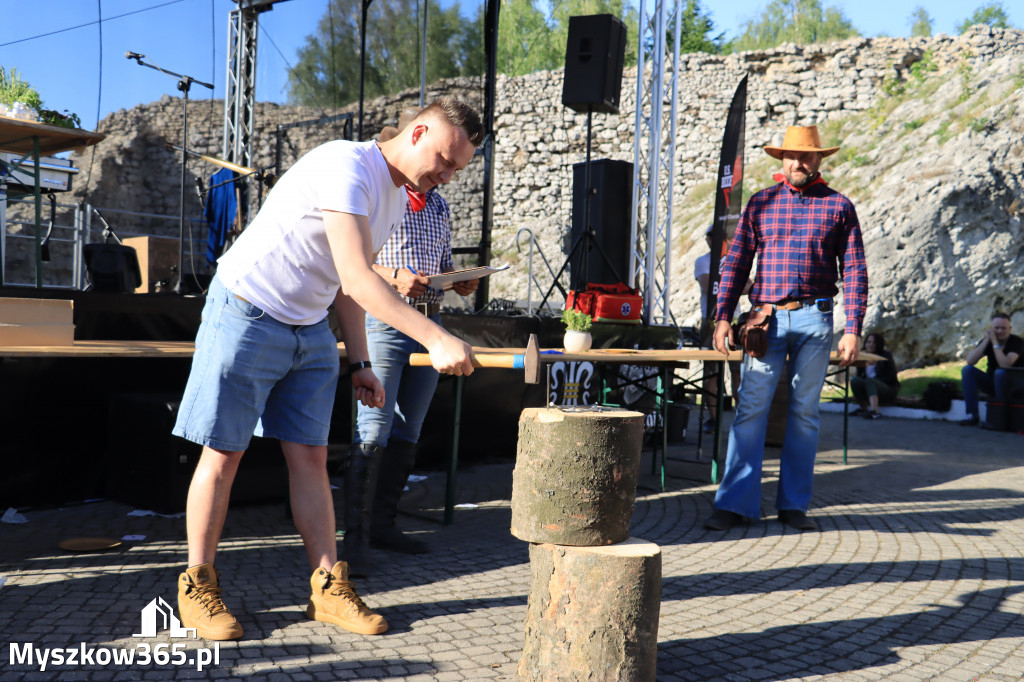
<point x="190" y="37"/>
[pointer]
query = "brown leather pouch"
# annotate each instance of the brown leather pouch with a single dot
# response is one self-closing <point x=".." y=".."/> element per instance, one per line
<point x="754" y="332"/>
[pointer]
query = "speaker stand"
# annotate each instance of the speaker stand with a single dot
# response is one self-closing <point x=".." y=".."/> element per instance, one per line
<point x="586" y="240"/>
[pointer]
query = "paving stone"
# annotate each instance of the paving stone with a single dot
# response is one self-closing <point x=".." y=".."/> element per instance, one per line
<point x="914" y="575"/>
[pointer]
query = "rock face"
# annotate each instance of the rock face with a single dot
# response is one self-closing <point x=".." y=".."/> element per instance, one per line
<point x="932" y="158"/>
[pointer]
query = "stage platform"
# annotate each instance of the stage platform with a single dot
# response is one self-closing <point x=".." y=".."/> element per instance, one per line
<point x="62" y="442"/>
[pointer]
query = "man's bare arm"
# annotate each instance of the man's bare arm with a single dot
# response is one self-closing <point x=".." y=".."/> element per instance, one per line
<point x="351" y="249"/>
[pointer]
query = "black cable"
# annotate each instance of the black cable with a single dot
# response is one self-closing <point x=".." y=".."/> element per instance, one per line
<point x="90" y="23"/>
<point x="213" y="67"/>
<point x="333" y="81"/>
<point x="99" y="90"/>
<point x="291" y="70"/>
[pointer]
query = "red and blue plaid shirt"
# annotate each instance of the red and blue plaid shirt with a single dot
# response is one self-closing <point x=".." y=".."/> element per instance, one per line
<point x="799" y="237"/>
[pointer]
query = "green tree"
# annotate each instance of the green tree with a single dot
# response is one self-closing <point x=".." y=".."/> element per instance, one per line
<point x="921" y="23"/>
<point x="794" y="21"/>
<point x="525" y="40"/>
<point x="327" y="73"/>
<point x="696" y="29"/>
<point x="993" y="14"/>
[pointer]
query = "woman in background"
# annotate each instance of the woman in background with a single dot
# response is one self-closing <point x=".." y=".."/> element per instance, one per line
<point x="876" y="382"/>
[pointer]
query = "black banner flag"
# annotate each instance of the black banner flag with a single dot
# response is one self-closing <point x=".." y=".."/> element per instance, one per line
<point x="728" y="199"/>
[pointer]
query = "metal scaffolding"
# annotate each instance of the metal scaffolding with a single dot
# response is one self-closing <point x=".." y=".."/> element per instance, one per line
<point x="240" y="94"/>
<point x="653" y="159"/>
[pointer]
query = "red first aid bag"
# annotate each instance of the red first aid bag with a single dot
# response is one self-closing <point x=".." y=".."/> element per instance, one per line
<point x="607" y="303"/>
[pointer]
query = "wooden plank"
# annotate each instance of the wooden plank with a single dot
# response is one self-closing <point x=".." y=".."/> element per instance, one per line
<point x="36" y="322"/>
<point x="16" y="136"/>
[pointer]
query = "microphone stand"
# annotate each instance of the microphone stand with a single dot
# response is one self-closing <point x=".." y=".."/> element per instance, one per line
<point x="184" y="84"/>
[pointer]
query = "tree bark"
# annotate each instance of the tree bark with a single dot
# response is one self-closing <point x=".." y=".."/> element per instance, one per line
<point x="593" y="613"/>
<point x="575" y="477"/>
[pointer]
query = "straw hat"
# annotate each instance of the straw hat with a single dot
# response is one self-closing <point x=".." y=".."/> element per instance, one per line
<point x="800" y="139"/>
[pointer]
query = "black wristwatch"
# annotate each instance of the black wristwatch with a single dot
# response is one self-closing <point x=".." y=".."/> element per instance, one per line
<point x="356" y="366"/>
<point x="394" y="275"/>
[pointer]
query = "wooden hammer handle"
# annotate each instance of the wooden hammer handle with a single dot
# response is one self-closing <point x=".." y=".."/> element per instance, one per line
<point x="493" y="360"/>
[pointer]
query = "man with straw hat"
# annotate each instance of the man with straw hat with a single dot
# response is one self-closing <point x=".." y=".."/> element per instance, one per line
<point x="805" y="236"/>
<point x="384" y="448"/>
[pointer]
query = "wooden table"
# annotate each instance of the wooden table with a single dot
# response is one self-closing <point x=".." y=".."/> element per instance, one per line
<point x="30" y="138"/>
<point x="666" y="360"/>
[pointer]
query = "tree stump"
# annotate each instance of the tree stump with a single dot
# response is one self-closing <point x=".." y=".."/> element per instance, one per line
<point x="575" y="477"/>
<point x="593" y="613"/>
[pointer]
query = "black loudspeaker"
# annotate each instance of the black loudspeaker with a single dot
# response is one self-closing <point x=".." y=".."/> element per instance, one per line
<point x="593" y="63"/>
<point x="610" y="211"/>
<point x="113" y="267"/>
<point x="150" y="468"/>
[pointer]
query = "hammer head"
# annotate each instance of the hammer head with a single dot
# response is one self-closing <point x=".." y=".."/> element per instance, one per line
<point x="531" y="361"/>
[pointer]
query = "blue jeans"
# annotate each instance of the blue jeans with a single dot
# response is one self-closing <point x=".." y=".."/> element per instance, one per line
<point x="407" y="390"/>
<point x="805" y="336"/>
<point x="973" y="379"/>
<point x="254" y="374"/>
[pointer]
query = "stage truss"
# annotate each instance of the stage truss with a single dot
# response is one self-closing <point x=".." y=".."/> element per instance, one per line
<point x="654" y="159"/>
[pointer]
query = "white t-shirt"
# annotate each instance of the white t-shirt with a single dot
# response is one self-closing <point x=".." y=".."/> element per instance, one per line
<point x="282" y="261"/>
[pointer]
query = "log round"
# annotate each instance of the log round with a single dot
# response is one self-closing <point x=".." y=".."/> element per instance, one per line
<point x="593" y="613"/>
<point x="575" y="477"/>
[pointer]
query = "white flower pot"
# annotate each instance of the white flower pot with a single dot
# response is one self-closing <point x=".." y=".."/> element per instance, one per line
<point x="576" y="342"/>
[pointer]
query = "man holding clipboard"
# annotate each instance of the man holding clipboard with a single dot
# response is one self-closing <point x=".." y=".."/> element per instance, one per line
<point x="384" y="446"/>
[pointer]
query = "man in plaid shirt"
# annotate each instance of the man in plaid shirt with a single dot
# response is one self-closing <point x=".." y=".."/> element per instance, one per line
<point x="804" y="235"/>
<point x="384" y="447"/>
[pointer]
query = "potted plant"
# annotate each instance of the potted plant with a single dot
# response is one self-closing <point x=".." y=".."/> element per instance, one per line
<point x="577" y="331"/>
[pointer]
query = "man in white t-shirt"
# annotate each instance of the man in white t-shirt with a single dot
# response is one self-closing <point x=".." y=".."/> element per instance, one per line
<point x="266" y="361"/>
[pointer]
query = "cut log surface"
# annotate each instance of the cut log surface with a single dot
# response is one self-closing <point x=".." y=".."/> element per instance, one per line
<point x="575" y="477"/>
<point x="593" y="613"/>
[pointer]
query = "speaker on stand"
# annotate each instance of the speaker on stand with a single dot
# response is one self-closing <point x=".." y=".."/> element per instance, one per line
<point x="594" y="54"/>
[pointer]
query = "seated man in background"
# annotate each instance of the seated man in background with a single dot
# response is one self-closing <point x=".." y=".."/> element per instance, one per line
<point x="1003" y="350"/>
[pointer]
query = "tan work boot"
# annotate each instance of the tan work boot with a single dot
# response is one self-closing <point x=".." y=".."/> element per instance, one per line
<point x="334" y="600"/>
<point x="200" y="605"/>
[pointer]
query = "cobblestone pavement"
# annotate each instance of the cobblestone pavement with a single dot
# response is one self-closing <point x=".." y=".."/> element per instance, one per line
<point x="917" y="573"/>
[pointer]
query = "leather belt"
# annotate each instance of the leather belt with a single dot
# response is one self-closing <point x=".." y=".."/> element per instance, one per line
<point x="428" y="309"/>
<point x="793" y="303"/>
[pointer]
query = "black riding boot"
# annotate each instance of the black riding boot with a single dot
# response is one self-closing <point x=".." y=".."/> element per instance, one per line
<point x="399" y="458"/>
<point x="360" y="487"/>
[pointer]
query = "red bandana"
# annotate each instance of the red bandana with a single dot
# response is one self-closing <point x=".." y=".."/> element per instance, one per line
<point x="417" y="200"/>
<point x="779" y="177"/>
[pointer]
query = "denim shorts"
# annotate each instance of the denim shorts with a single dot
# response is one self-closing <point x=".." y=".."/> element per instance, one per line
<point x="252" y="374"/>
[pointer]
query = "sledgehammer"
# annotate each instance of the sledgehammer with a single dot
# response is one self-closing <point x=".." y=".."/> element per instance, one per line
<point x="529" y="361"/>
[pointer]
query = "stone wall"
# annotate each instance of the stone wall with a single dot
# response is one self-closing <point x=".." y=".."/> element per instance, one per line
<point x="838" y="86"/>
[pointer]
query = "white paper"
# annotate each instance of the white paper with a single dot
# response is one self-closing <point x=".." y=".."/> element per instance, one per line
<point x="448" y="278"/>
<point x="149" y="512"/>
<point x="12" y="516"/>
